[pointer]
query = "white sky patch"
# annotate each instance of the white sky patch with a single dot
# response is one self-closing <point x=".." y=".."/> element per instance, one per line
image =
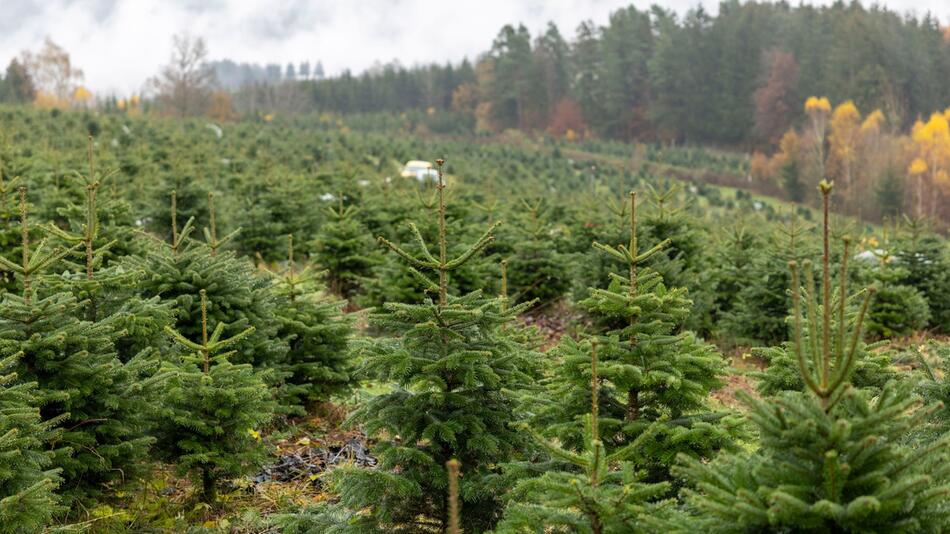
<point x="121" y="43"/>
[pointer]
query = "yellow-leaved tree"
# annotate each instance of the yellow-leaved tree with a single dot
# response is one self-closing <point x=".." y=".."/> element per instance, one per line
<point x="844" y="141"/>
<point x="931" y="160"/>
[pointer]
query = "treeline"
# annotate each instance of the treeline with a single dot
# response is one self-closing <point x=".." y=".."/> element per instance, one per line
<point x="737" y="78"/>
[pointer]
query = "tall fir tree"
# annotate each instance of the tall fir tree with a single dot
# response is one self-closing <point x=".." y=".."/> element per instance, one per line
<point x="831" y="459"/>
<point x="657" y="376"/>
<point x="212" y="410"/>
<point x="104" y="402"/>
<point x="453" y="369"/>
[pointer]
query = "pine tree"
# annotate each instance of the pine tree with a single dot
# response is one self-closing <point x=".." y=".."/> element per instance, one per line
<point x="213" y="408"/>
<point x="104" y="402"/>
<point x="596" y="492"/>
<point x="831" y="458"/>
<point x="318" y="363"/>
<point x="657" y="377"/>
<point x="27" y="501"/>
<point x="454" y="369"/>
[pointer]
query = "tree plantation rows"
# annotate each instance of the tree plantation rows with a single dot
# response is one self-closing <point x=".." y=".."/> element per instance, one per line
<point x="537" y="337"/>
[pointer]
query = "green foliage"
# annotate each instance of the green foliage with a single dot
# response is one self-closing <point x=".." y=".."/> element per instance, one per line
<point x="596" y="492"/>
<point x="925" y="266"/>
<point x="317" y="364"/>
<point x="212" y="408"/>
<point x="344" y="248"/>
<point x="842" y="469"/>
<point x="657" y="377"/>
<point x="761" y="306"/>
<point x="454" y="369"/>
<point x="535" y="262"/>
<point x="830" y="458"/>
<point x="27" y="483"/>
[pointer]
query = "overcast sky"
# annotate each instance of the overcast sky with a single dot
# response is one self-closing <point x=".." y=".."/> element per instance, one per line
<point x="119" y="44"/>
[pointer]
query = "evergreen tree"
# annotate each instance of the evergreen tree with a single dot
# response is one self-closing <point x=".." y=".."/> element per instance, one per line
<point x="535" y="266"/>
<point x="734" y="260"/>
<point x="925" y="264"/>
<point x="212" y="408"/>
<point x="454" y="369"/>
<point x="831" y="458"/>
<point x="177" y="271"/>
<point x="318" y="363"/>
<point x="762" y="305"/>
<point x="657" y="377"/>
<point x="341" y="248"/>
<point x="104" y="403"/>
<point x="27" y="501"/>
<point x="681" y="262"/>
<point x="597" y="492"/>
<point x="897" y="310"/>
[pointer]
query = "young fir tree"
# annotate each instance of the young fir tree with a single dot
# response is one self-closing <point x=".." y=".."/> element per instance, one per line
<point x="872" y="367"/>
<point x="925" y="261"/>
<point x="657" y="377"/>
<point x="344" y="249"/>
<point x="734" y="264"/>
<point x="454" y="368"/>
<point x="762" y="305"/>
<point x="104" y="402"/>
<point x="596" y="493"/>
<point x="212" y="409"/>
<point x="27" y="484"/>
<point x="898" y="309"/>
<point x="179" y="270"/>
<point x="318" y="363"/>
<point x="682" y="261"/>
<point x="831" y="458"/>
<point x="537" y="270"/>
<point x="105" y="286"/>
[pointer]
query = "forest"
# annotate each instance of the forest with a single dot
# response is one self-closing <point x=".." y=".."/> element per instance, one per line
<point x="677" y="274"/>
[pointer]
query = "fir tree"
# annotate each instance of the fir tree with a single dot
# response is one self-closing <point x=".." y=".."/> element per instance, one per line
<point x="213" y="408"/>
<point x="453" y="369"/>
<point x="597" y="492"/>
<point x="898" y="309"/>
<point x="177" y="271"/>
<point x="925" y="262"/>
<point x="318" y="363"/>
<point x="27" y="483"/>
<point x="681" y="261"/>
<point x="734" y="261"/>
<point x="830" y="458"/>
<point x="656" y="377"/>
<point x="342" y="248"/>
<point x="762" y="305"/>
<point x="104" y="402"/>
<point x="535" y="263"/>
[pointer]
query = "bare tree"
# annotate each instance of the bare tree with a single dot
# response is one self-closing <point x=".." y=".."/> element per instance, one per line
<point x="52" y="70"/>
<point x="184" y="86"/>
